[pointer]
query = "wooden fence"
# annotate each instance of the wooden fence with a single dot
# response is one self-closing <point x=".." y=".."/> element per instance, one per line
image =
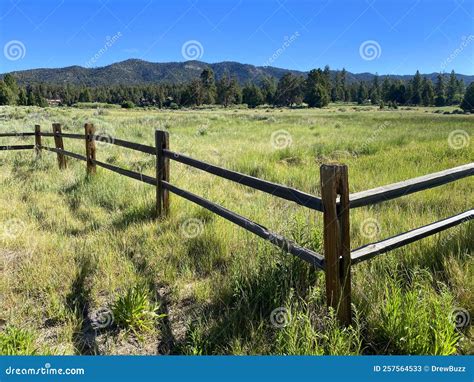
<point x="335" y="203"/>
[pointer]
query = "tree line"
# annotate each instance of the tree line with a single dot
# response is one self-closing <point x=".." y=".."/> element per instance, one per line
<point x="317" y="89"/>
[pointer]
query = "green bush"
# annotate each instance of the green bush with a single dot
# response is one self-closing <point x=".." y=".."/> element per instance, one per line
<point x="16" y="341"/>
<point x="134" y="311"/>
<point x="128" y="105"/>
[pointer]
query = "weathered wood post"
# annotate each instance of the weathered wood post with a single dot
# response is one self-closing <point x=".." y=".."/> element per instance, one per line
<point x="58" y="141"/>
<point x="337" y="253"/>
<point x="38" y="141"/>
<point x="162" y="173"/>
<point x="89" y="129"/>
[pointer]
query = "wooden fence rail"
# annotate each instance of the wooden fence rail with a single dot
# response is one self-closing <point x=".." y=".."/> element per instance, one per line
<point x="288" y="193"/>
<point x="335" y="202"/>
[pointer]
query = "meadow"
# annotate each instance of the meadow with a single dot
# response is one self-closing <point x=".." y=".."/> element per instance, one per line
<point x="86" y="269"/>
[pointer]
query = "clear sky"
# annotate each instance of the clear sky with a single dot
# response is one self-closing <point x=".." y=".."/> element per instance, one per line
<point x="388" y="37"/>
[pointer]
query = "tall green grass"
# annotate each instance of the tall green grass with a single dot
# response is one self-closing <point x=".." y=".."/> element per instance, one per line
<point x="82" y="243"/>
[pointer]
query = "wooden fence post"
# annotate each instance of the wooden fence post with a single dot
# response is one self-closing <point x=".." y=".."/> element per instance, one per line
<point x="58" y="141"/>
<point x="38" y="141"/>
<point x="337" y="254"/>
<point x="90" y="147"/>
<point x="162" y="173"/>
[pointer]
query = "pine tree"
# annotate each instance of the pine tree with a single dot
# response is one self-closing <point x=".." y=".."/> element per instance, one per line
<point x="316" y="93"/>
<point x="327" y="79"/>
<point x="12" y="92"/>
<point x="344" y="92"/>
<point x="268" y="87"/>
<point x="228" y="90"/>
<point x="416" y="89"/>
<point x="252" y="95"/>
<point x="22" y="97"/>
<point x="440" y="98"/>
<point x="467" y="103"/>
<point x="5" y="94"/>
<point x="289" y="90"/>
<point x="336" y="89"/>
<point x="452" y="95"/>
<point x="427" y="93"/>
<point x="386" y="89"/>
<point x="209" y="86"/>
<point x="361" y="93"/>
<point x="85" y="95"/>
<point x="193" y="94"/>
<point x="375" y="91"/>
<point x="39" y="100"/>
<point x="30" y="99"/>
<point x="461" y="87"/>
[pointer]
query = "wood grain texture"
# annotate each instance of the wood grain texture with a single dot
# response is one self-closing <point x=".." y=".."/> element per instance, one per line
<point x="38" y="141"/>
<point x="396" y="190"/>
<point x="162" y="173"/>
<point x="89" y="130"/>
<point x="334" y="182"/>
<point x="58" y="141"/>
<point x="278" y="190"/>
<point x="371" y="250"/>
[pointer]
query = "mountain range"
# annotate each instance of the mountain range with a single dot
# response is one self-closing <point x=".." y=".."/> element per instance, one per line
<point x="135" y="71"/>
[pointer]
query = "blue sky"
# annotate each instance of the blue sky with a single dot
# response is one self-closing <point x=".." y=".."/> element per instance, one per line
<point x="388" y="37"/>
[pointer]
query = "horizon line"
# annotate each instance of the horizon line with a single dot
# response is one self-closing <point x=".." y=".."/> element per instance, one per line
<point x="230" y="61"/>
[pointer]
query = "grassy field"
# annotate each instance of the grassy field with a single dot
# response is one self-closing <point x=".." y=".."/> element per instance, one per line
<point x="87" y="270"/>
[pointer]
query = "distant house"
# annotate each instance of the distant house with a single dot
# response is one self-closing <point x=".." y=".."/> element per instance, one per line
<point x="54" y="101"/>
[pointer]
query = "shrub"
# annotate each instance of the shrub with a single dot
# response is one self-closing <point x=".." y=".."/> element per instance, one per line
<point x="128" y="105"/>
<point x="134" y="311"/>
<point x="16" y="341"/>
<point x="415" y="321"/>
